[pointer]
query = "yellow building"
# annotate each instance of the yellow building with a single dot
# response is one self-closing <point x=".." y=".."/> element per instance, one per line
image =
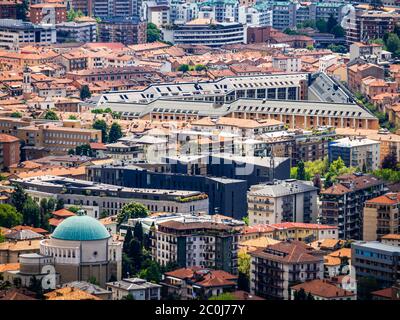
<point x="381" y="216"/>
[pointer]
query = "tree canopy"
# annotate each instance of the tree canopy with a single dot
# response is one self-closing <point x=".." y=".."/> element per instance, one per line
<point x="102" y="126"/>
<point x="153" y="33"/>
<point x="115" y="133"/>
<point x="9" y="217"/>
<point x="85" y="92"/>
<point x="132" y="210"/>
<point x="51" y="115"/>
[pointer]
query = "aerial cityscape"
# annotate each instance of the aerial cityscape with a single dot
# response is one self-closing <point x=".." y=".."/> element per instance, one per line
<point x="211" y="150"/>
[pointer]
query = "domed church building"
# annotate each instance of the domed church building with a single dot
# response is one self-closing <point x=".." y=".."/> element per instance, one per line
<point x="82" y="249"/>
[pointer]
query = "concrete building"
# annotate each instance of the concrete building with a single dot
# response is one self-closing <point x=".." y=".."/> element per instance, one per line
<point x="14" y="33"/>
<point x="224" y="90"/>
<point x="282" y="201"/>
<point x="82" y="249"/>
<point x="109" y="199"/>
<point x="376" y="260"/>
<point x="391" y="239"/>
<point x="125" y="30"/>
<point x="342" y="204"/>
<point x="77" y="31"/>
<point x="57" y="139"/>
<point x="226" y="196"/>
<point x="139" y="289"/>
<point x="48" y="13"/>
<point x="10" y="150"/>
<point x="206" y="32"/>
<point x="189" y="244"/>
<point x="381" y="217"/>
<point x="278" y="267"/>
<point x="322" y="289"/>
<point x="9" y="9"/>
<point x="360" y="153"/>
<point x="197" y="283"/>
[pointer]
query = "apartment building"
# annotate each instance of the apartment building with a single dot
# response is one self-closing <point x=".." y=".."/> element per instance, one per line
<point x="9" y="8"/>
<point x="282" y="201"/>
<point x="381" y="217"/>
<point x="342" y="204"/>
<point x="48" y="13"/>
<point x="10" y="149"/>
<point x="78" y="31"/>
<point x="138" y="288"/>
<point x="365" y="49"/>
<point x="306" y="232"/>
<point x="369" y="24"/>
<point x="357" y="72"/>
<point x="287" y="64"/>
<point x="14" y="33"/>
<point x="376" y="260"/>
<point x="391" y="239"/>
<point x="109" y="199"/>
<point x="206" y="245"/>
<point x="206" y="32"/>
<point x="125" y="30"/>
<point x="224" y="90"/>
<point x="196" y="282"/>
<point x="58" y="140"/>
<point x="356" y="152"/>
<point x="278" y="267"/>
<point x="226" y="196"/>
<point x="321" y="289"/>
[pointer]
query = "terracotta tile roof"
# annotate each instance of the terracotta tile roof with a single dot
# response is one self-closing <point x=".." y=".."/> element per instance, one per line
<point x="204" y="277"/>
<point x="55" y="222"/>
<point x="336" y="189"/>
<point x="387" y="293"/>
<point x="323" y="288"/>
<point x="37" y="230"/>
<point x="391" y="237"/>
<point x="15" y="294"/>
<point x="9" y="267"/>
<point x="98" y="146"/>
<point x="386" y="199"/>
<point x="177" y="225"/>
<point x="4" y="138"/>
<point x="63" y="213"/>
<point x="30" y="245"/>
<point x="69" y="293"/>
<point x="287" y="252"/>
<point x="329" y="244"/>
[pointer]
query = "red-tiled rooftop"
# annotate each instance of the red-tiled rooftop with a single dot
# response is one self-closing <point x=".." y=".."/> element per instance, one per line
<point x="323" y="288"/>
<point x="63" y="213"/>
<point x="389" y="198"/>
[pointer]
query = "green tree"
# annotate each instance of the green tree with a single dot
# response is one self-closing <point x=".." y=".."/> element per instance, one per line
<point x="60" y="204"/>
<point x="152" y="273"/>
<point x="85" y="93"/>
<point x="9" y="217"/>
<point x="135" y="253"/>
<point x="50" y="115"/>
<point x="132" y="210"/>
<point x="83" y="150"/>
<point x="72" y="117"/>
<point x="310" y="47"/>
<point x="16" y="114"/>
<point x="127" y="240"/>
<point x="153" y="33"/>
<point x="18" y="197"/>
<point x="331" y="23"/>
<point x="338" y="31"/>
<point x="183" y="68"/>
<point x="301" y="172"/>
<point x="22" y="10"/>
<point x="300" y="294"/>
<point x="366" y="285"/>
<point x="246" y="220"/>
<point x="115" y="133"/>
<point x="128" y="297"/>
<point x="244" y="270"/>
<point x="200" y="67"/>
<point x="393" y="43"/>
<point x="31" y="213"/>
<point x="102" y="126"/>
<point x="322" y="25"/>
<point x="138" y="232"/>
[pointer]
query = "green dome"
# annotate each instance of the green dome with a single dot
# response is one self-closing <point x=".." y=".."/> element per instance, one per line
<point x="80" y="228"/>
